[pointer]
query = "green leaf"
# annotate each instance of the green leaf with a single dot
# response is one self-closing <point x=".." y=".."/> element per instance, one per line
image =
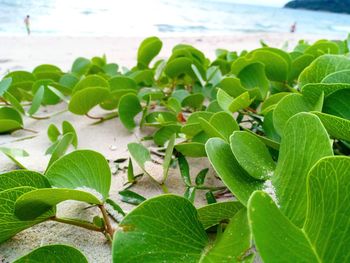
<point x="322" y="47"/>
<point x="341" y="76"/>
<point x="60" y="148"/>
<point x="214" y="214"/>
<point x="322" y="67"/>
<point x="149" y="48"/>
<point x="190" y="193"/>
<point x="81" y="170"/>
<point x="230" y="104"/>
<point x="115" y="206"/>
<point x="10" y="120"/>
<point x="151" y="232"/>
<point x="37" y="99"/>
<point x="53" y="133"/>
<point x="240" y="183"/>
<point x="289" y="106"/>
<point x="67" y="127"/>
<point x="277" y="239"/>
<point x="191" y="149"/>
<point x="221" y="124"/>
<point x="131" y="197"/>
<point x="200" y="177"/>
<point x="184" y="169"/>
<point x="234" y="243"/>
<point x="168" y="156"/>
<point x="298" y="65"/>
<point x="323" y="237"/>
<point x="54" y="254"/>
<point x="271" y="102"/>
<point x="20" y="178"/>
<point x="178" y="67"/>
<point x="327" y="189"/>
<point x="313" y="91"/>
<point x="252" y="154"/>
<point x="337" y="104"/>
<point x="194" y="101"/>
<point x="297" y="155"/>
<point x="10" y="225"/>
<point x="12" y="153"/>
<point x="14" y="102"/>
<point x="131" y="175"/>
<point x="13" y="185"/>
<point x="46" y="71"/>
<point x="4" y="85"/>
<point x="91" y="81"/>
<point x="140" y="154"/>
<point x="336" y="127"/>
<point x="129" y="107"/>
<point x="122" y="83"/>
<point x="37" y="202"/>
<point x="85" y="99"/>
<point x="81" y="66"/>
<point x="164" y="133"/>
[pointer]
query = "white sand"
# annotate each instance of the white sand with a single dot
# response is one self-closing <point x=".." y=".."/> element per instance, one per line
<point x="109" y="138"/>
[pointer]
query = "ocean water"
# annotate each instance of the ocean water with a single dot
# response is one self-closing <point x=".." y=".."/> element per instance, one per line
<point x="160" y="17"/>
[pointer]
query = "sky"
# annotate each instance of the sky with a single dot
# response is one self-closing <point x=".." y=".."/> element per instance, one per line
<point x="262" y="2"/>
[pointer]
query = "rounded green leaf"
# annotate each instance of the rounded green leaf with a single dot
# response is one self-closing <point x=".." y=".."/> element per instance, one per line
<point x="213" y="214"/>
<point x="81" y="66"/>
<point x="37" y="202"/>
<point x="10" y="225"/>
<point x="252" y="154"/>
<point x="338" y="104"/>
<point x="53" y="133"/>
<point x="178" y="67"/>
<point x="20" y="178"/>
<point x="327" y="224"/>
<point x="84" y="100"/>
<point x="321" y="67"/>
<point x="10" y="120"/>
<point x="122" y="83"/>
<point x="241" y="184"/>
<point x="149" y="48"/>
<point x="304" y="142"/>
<point x="191" y="149"/>
<point x="164" y="228"/>
<point x="53" y="254"/>
<point x="129" y="107"/>
<point x="83" y="169"/>
<point x="194" y="101"/>
<point x="46" y="71"/>
<point x="276" y="238"/>
<point x="89" y="82"/>
<point x="336" y="127"/>
<point x="290" y="105"/>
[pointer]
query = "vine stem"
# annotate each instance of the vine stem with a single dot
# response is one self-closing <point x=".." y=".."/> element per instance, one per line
<point x="109" y="227"/>
<point x="79" y="223"/>
<point x="102" y="118"/>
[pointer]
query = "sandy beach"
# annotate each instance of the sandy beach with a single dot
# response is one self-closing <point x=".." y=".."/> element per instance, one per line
<point x="109" y="138"/>
<point x="27" y="52"/>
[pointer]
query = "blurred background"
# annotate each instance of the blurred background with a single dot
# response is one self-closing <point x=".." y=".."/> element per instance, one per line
<point x="166" y="17"/>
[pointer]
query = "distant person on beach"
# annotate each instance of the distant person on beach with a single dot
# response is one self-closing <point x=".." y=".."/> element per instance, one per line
<point x="293" y="27"/>
<point x="27" y="24"/>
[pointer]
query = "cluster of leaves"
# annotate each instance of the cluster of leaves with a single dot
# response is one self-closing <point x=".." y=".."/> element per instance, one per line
<point x="275" y="126"/>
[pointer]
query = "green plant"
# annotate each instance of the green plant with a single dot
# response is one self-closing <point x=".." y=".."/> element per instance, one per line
<point x="274" y="125"/>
